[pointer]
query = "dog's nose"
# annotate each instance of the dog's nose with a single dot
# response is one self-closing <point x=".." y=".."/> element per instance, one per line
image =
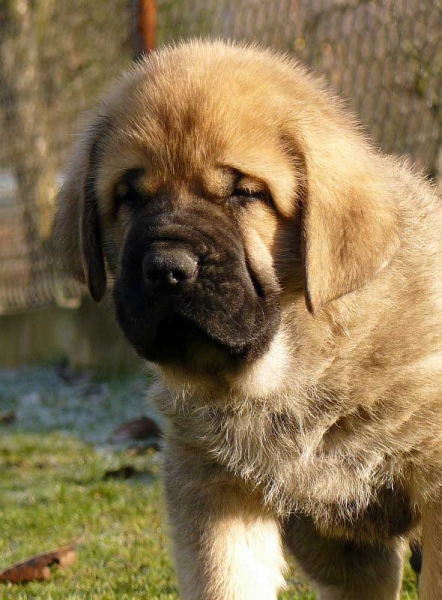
<point x="169" y="267"/>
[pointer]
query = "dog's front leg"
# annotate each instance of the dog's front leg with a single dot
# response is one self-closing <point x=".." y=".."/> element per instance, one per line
<point x="227" y="547"/>
<point x="430" y="580"/>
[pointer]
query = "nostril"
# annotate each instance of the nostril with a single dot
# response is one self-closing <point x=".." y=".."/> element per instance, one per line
<point x="150" y="274"/>
<point x="169" y="267"/>
<point x="176" y="276"/>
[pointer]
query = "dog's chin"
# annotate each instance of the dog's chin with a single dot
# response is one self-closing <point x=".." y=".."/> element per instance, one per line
<point x="182" y="343"/>
<point x="179" y="340"/>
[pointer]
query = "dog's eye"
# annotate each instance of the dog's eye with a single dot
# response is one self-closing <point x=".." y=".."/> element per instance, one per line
<point x="246" y="195"/>
<point x="129" y="198"/>
<point x="126" y="192"/>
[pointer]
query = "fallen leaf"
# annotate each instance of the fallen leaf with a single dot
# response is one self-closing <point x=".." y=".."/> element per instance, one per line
<point x="36" y="568"/>
<point x="122" y="473"/>
<point x="142" y="428"/>
<point x="7" y="418"/>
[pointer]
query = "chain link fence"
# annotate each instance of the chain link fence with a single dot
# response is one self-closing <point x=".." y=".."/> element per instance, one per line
<point x="384" y="56"/>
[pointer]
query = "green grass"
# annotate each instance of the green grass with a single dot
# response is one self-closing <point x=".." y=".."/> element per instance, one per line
<point x="53" y="490"/>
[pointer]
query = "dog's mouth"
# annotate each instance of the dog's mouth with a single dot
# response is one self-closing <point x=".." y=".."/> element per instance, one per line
<point x="180" y="338"/>
<point x="176" y="338"/>
<point x="196" y="331"/>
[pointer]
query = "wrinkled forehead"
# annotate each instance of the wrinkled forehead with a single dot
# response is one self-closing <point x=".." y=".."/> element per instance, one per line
<point x="189" y="125"/>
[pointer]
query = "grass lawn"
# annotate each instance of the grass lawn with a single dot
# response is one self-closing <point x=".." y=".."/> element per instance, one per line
<point x="53" y="489"/>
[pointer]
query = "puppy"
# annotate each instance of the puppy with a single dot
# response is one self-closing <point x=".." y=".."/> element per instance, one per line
<point x="286" y="281"/>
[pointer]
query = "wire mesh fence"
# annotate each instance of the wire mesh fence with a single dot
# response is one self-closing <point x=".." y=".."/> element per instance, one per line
<point x="385" y="56"/>
<point x="55" y="57"/>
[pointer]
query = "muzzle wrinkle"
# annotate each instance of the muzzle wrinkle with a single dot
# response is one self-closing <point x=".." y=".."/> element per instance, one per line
<point x="223" y="303"/>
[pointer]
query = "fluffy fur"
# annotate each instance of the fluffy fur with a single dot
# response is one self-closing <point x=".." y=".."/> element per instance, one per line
<point x="327" y="438"/>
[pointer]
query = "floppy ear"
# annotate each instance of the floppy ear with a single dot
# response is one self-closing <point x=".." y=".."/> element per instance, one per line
<point x="77" y="232"/>
<point x="350" y="224"/>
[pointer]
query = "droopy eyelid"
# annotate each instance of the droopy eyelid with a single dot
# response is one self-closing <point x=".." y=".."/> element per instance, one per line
<point x="248" y="193"/>
<point x="126" y="190"/>
<point x="245" y="186"/>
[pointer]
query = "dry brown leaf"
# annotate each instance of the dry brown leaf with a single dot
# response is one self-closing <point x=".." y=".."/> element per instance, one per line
<point x="7" y="418"/>
<point x="142" y="428"/>
<point x="125" y="472"/>
<point x="36" y="568"/>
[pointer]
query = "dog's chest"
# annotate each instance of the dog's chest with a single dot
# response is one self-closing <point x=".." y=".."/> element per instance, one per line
<point x="287" y="460"/>
<point x="348" y="493"/>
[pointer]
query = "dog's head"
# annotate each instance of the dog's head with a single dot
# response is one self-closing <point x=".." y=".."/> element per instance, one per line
<point x="215" y="185"/>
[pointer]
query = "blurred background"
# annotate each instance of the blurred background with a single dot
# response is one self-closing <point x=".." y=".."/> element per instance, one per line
<point x="79" y="458"/>
<point x="56" y="57"/>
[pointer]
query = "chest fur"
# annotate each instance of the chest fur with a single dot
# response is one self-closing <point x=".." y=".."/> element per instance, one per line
<point x="297" y="464"/>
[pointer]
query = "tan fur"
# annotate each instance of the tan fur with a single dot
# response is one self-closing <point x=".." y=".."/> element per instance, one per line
<point x="341" y="421"/>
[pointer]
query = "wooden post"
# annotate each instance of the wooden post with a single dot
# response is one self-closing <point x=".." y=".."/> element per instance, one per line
<point x="145" y="26"/>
